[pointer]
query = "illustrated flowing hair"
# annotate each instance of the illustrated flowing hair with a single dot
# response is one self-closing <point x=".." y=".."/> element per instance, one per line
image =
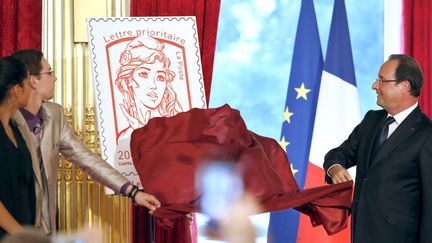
<point x="169" y="104"/>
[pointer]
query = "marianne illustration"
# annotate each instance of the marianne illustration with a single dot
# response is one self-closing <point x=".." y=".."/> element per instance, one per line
<point x="145" y="81"/>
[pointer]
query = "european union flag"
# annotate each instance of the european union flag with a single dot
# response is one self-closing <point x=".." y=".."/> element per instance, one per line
<point x="299" y="114"/>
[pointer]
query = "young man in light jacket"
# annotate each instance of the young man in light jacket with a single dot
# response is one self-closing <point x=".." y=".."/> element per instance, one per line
<point x="47" y="134"/>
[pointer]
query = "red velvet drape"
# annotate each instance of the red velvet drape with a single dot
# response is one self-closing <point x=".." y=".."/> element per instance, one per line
<point x="417" y="42"/>
<point x="206" y="13"/>
<point x="20" y="25"/>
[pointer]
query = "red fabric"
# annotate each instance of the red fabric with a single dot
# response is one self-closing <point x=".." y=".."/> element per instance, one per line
<point x="168" y="151"/>
<point x="178" y="233"/>
<point x="21" y="25"/>
<point x="306" y="233"/>
<point x="417" y="42"/>
<point x="207" y="16"/>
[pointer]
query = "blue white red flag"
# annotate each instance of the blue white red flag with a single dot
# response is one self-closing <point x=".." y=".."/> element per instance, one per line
<point x="338" y="112"/>
<point x="334" y="110"/>
<point x="299" y="114"/>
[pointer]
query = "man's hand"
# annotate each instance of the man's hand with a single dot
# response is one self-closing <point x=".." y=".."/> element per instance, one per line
<point x="147" y="200"/>
<point x="190" y="218"/>
<point x="339" y="174"/>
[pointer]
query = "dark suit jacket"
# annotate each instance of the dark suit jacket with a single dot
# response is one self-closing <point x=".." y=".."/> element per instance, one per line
<point x="393" y="193"/>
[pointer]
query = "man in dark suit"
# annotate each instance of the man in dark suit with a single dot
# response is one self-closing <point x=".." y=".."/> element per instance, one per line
<point x="392" y="149"/>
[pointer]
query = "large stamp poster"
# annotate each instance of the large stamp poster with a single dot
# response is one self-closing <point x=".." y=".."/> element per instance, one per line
<point x="142" y="68"/>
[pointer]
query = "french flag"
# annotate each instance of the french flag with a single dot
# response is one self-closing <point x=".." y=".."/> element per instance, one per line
<point x="299" y="115"/>
<point x="321" y="122"/>
<point x="338" y="112"/>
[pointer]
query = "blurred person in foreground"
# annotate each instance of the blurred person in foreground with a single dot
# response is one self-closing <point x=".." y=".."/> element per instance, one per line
<point x="47" y="133"/>
<point x="392" y="149"/>
<point x="17" y="192"/>
<point x="27" y="235"/>
<point x="32" y="235"/>
<point x="235" y="226"/>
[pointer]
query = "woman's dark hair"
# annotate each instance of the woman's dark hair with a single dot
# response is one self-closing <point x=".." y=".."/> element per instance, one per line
<point x="12" y="72"/>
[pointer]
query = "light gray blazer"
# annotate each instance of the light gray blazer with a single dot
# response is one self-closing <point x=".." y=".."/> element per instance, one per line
<point x="58" y="137"/>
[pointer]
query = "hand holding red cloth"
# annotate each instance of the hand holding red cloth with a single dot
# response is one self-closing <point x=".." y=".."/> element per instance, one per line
<point x="168" y="151"/>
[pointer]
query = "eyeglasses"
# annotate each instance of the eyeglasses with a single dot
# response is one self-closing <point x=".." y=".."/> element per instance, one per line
<point x="380" y="80"/>
<point x="50" y="73"/>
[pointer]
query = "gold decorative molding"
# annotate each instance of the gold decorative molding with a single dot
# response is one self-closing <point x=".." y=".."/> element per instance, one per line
<point x="90" y="121"/>
<point x="91" y="136"/>
<point x="84" y="9"/>
<point x="81" y="201"/>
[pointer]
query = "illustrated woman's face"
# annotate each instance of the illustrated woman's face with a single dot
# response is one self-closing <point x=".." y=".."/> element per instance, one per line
<point x="150" y="81"/>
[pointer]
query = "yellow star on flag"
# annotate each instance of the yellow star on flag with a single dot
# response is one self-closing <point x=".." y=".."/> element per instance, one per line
<point x="294" y="171"/>
<point x="287" y="115"/>
<point x="302" y="91"/>
<point x="283" y="143"/>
